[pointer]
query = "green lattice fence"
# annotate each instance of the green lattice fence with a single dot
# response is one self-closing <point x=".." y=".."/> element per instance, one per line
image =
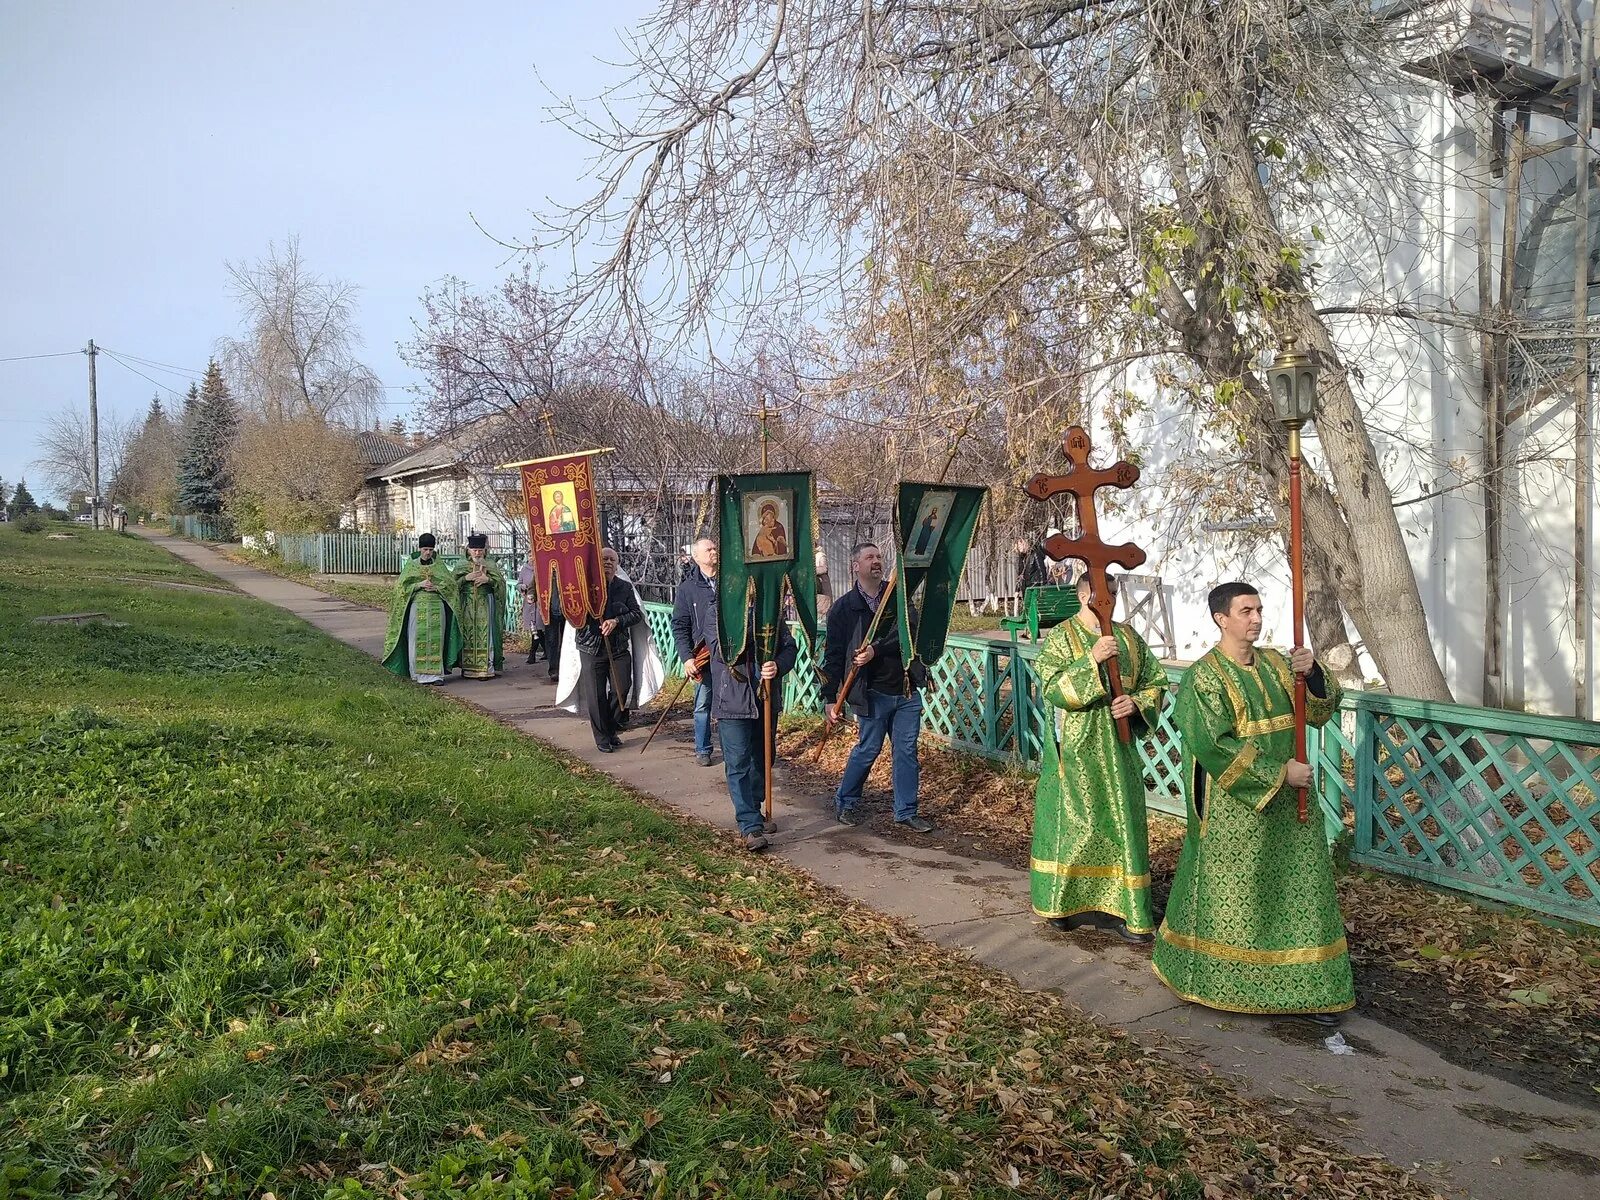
<point x="202" y="527"/>
<point x="1499" y="804"/>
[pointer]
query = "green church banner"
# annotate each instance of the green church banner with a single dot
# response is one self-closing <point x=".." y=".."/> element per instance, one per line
<point x="934" y="523"/>
<point x="767" y="554"/>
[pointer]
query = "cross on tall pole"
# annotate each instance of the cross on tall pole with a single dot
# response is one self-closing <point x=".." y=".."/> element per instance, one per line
<point x="1081" y="482"/>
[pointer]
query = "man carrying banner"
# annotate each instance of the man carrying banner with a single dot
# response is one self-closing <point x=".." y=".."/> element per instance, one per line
<point x="605" y="651"/>
<point x="736" y="694"/>
<point x="1253" y="923"/>
<point x="886" y="700"/>
<point x="765" y="565"/>
<point x="423" y="640"/>
<point x="694" y="615"/>
<point x="481" y="606"/>
<point x="1091" y="854"/>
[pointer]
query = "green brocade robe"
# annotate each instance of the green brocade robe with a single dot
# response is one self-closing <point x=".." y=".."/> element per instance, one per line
<point x="1091" y="849"/>
<point x="481" y="608"/>
<point x="438" y="636"/>
<point x="1253" y="922"/>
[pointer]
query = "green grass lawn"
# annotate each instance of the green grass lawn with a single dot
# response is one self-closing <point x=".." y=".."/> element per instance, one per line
<point x="274" y="921"/>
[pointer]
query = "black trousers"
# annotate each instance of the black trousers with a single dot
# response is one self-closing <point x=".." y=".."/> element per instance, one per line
<point x="554" y="630"/>
<point x="601" y="704"/>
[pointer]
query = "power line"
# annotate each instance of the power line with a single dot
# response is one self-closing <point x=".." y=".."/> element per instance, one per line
<point x="159" y="366"/>
<point x="27" y="357"/>
<point x="129" y="366"/>
<point x="154" y="364"/>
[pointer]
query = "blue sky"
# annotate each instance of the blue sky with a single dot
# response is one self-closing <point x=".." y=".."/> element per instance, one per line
<point x="147" y="145"/>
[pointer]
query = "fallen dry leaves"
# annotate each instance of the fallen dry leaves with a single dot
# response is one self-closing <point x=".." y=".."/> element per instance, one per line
<point x="1497" y="986"/>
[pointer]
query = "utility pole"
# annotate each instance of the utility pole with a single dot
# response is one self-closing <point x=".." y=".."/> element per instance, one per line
<point x="94" y="439"/>
<point x="1583" y="452"/>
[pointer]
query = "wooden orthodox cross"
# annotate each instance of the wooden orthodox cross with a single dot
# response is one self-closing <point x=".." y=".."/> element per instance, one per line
<point x="1081" y="481"/>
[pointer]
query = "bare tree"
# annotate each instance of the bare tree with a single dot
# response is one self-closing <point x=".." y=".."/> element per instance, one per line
<point x="66" y="450"/>
<point x="297" y="355"/>
<point x="1009" y="201"/>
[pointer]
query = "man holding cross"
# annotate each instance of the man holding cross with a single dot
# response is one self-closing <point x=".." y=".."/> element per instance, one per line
<point x="1091" y="856"/>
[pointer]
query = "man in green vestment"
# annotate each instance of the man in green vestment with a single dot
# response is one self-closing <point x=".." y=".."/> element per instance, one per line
<point x="424" y="640"/>
<point x="480" y="607"/>
<point x="1253" y="924"/>
<point x="1091" y="853"/>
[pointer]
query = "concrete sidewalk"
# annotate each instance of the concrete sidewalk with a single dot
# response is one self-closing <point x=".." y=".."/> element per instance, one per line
<point x="1467" y="1133"/>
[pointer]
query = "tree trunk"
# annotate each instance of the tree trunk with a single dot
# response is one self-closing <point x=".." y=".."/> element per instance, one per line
<point x="1380" y="585"/>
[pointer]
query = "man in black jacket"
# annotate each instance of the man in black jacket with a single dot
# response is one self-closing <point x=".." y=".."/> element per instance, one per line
<point x="886" y="699"/>
<point x="694" y="609"/>
<point x="607" y="678"/>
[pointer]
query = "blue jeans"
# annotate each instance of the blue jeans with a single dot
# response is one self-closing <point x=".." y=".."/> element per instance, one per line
<point x="744" y="763"/>
<point x="702" y="718"/>
<point x="900" y="718"/>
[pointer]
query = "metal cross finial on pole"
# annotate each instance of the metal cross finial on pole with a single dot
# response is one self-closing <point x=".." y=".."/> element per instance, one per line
<point x="762" y="429"/>
<point x="1081" y="482"/>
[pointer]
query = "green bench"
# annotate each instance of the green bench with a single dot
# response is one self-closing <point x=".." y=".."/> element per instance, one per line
<point x="1042" y="607"/>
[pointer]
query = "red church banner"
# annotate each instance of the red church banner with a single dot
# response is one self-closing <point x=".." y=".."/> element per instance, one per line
<point x="563" y="526"/>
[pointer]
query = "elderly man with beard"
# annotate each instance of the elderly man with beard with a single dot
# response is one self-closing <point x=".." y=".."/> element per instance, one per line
<point x="605" y="651"/>
<point x="424" y="639"/>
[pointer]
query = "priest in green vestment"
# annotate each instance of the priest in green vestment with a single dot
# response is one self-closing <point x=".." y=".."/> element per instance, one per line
<point x="424" y="640"/>
<point x="481" y="609"/>
<point x="1253" y="923"/>
<point x="1091" y="853"/>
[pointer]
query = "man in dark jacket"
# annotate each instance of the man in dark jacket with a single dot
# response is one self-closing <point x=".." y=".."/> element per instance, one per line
<point x="736" y="705"/>
<point x="886" y="699"/>
<point x="694" y="609"/>
<point x="606" y="678"/>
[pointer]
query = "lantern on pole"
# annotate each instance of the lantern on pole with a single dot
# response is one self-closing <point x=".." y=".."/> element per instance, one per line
<point x="1292" y="379"/>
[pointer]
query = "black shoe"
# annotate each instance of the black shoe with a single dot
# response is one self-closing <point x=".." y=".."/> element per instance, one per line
<point x="849" y="816"/>
<point x="1138" y="939"/>
<point x="616" y="743"/>
<point x="606" y="747"/>
<point x="916" y="824"/>
<point x="703" y="759"/>
<point x="1083" y="920"/>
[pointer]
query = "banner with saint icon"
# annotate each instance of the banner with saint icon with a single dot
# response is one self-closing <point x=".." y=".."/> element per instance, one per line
<point x="934" y="524"/>
<point x="564" y="532"/>
<point x="764" y="530"/>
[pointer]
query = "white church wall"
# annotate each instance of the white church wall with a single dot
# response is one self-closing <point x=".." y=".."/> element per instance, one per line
<point x="1419" y="385"/>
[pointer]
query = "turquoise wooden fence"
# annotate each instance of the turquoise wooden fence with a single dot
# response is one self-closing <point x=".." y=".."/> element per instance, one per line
<point x="1503" y="805"/>
<point x="202" y="527"/>
<point x="1496" y="804"/>
<point x="351" y="553"/>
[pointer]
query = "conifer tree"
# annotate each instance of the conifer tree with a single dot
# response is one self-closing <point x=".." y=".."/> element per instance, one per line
<point x="22" y="502"/>
<point x="204" y="476"/>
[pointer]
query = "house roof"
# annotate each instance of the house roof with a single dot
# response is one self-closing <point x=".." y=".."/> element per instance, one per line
<point x="374" y="449"/>
<point x="431" y="457"/>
